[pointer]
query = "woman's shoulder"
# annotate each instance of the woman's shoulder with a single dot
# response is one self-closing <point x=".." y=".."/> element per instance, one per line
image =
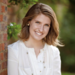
<point x="13" y="51"/>
<point x="53" y="48"/>
<point x="14" y="45"/>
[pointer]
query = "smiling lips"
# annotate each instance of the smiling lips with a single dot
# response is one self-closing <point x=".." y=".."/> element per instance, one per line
<point x="38" y="33"/>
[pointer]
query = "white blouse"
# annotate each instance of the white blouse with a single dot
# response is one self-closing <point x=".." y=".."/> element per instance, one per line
<point x="23" y="61"/>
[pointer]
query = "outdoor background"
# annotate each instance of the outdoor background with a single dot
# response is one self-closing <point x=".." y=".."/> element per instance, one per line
<point x="65" y="12"/>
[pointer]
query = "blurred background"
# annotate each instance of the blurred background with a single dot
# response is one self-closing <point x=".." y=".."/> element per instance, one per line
<point x="65" y="11"/>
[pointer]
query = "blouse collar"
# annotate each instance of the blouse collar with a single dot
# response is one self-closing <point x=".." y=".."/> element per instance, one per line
<point x="32" y="49"/>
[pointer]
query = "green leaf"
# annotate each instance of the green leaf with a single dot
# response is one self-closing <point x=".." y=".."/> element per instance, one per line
<point x="8" y="37"/>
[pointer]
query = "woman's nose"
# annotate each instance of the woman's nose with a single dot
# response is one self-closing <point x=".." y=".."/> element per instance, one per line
<point x="41" y="28"/>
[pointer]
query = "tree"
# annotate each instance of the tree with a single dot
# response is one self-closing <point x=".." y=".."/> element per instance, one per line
<point x="68" y="34"/>
<point x="22" y="3"/>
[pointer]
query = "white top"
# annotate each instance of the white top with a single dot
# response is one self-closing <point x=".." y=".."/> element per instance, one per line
<point x="22" y="60"/>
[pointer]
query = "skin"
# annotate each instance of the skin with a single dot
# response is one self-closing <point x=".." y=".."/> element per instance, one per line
<point x="40" y="24"/>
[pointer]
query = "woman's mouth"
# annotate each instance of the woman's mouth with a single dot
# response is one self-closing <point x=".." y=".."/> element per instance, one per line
<point x="38" y="33"/>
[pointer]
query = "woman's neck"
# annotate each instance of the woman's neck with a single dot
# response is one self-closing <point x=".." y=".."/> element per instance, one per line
<point x="35" y="44"/>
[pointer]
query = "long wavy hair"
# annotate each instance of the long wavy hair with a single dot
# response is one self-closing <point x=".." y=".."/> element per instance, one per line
<point x="36" y="9"/>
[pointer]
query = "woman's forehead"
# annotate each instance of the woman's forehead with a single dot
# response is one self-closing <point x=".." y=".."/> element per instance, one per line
<point x="41" y="17"/>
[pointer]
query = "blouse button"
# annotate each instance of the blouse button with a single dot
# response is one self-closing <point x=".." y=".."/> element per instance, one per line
<point x="44" y="67"/>
<point x="40" y="71"/>
<point x="43" y="62"/>
<point x="27" y="52"/>
<point x="40" y="60"/>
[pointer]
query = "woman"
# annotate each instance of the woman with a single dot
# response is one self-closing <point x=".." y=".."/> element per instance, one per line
<point x="36" y="52"/>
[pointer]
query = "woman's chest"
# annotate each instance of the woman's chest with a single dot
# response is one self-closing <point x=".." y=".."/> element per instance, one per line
<point x="29" y="64"/>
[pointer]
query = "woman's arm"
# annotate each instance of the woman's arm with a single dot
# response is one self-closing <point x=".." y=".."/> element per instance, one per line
<point x="12" y="62"/>
<point x="57" y="63"/>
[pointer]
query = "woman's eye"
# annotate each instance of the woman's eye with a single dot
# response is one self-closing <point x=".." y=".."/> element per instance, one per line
<point x="37" y="22"/>
<point x="47" y="25"/>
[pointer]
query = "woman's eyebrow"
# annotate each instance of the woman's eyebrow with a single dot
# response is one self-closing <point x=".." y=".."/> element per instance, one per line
<point x="40" y="22"/>
<point x="37" y="20"/>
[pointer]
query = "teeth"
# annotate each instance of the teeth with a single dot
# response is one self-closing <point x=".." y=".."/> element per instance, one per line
<point x="38" y="33"/>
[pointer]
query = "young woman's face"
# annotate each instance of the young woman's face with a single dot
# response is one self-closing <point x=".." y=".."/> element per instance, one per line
<point x="39" y="27"/>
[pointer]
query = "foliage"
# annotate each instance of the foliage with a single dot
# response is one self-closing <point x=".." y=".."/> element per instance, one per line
<point x="67" y="74"/>
<point x="68" y="34"/>
<point x="13" y="30"/>
<point x="22" y="3"/>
